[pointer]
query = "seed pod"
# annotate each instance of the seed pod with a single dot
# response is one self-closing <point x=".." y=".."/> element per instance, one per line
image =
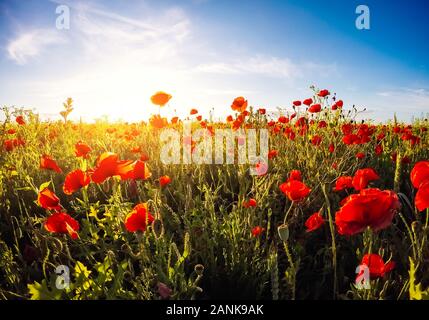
<point x="283" y="231"/>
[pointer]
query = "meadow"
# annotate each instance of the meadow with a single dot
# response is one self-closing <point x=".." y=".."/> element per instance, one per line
<point x="89" y="210"/>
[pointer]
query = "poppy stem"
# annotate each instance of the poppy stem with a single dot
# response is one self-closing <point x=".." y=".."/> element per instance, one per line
<point x="287" y="213"/>
<point x="332" y="230"/>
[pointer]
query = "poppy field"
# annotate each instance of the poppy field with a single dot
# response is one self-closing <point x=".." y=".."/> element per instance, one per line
<point x="340" y="209"/>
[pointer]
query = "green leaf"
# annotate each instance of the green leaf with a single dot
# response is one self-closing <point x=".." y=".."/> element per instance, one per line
<point x="416" y="292"/>
<point x="40" y="291"/>
<point x="44" y="185"/>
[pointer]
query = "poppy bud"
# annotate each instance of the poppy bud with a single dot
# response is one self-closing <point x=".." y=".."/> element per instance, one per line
<point x="199" y="269"/>
<point x="283" y="231"/>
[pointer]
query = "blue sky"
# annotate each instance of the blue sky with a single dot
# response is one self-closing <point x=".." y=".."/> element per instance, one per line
<point x="206" y="52"/>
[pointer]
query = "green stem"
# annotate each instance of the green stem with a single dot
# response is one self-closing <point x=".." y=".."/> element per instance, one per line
<point x="333" y="244"/>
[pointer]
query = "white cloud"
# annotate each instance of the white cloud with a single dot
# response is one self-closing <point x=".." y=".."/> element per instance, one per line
<point x="30" y="44"/>
<point x="270" y="66"/>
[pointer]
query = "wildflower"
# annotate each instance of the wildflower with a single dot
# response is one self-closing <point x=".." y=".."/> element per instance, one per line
<point x="61" y="222"/>
<point x="160" y="98"/>
<point x="82" y="149"/>
<point x="193" y="111"/>
<point x="323" y="93"/>
<point x="420" y="180"/>
<point x="46" y="162"/>
<point x="362" y="177"/>
<point x="250" y="203"/>
<point x="48" y="200"/>
<point x="20" y="120"/>
<point x="315" y="108"/>
<point x="164" y="180"/>
<point x="272" y="154"/>
<point x="308" y="101"/>
<point x="314" y="222"/>
<point x="295" y="175"/>
<point x="295" y="190"/>
<point x="377" y="267"/>
<point x="257" y="231"/>
<point x="372" y="208"/>
<point x="75" y="180"/>
<point x="344" y="182"/>
<point x="139" y="218"/>
<point x="239" y="104"/>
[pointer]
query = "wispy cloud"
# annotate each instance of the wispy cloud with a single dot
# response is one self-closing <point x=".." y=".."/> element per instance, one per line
<point x="270" y="66"/>
<point x="30" y="44"/>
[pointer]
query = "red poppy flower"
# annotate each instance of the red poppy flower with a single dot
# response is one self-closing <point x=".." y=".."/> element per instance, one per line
<point x="229" y="119"/>
<point x="295" y="175"/>
<point x="61" y="222"/>
<point x="250" y="203"/>
<point x="262" y="111"/>
<point x="20" y="120"/>
<point x="378" y="149"/>
<point x="420" y="173"/>
<point x="11" y="131"/>
<point x="46" y="162"/>
<point x="239" y="104"/>
<point x="295" y="190"/>
<point x="322" y="124"/>
<point x="144" y="157"/>
<point x="193" y="111"/>
<point x="136" y="170"/>
<point x="174" y="120"/>
<point x="11" y="144"/>
<point x="308" y="101"/>
<point x="158" y="122"/>
<point x="48" y="200"/>
<point x="297" y="103"/>
<point x="272" y="154"/>
<point x="75" y="180"/>
<point x="360" y="155"/>
<point x="283" y="119"/>
<point x="82" y="149"/>
<point x="139" y="218"/>
<point x="422" y="197"/>
<point x="362" y="177"/>
<point x="106" y="167"/>
<point x="314" y="222"/>
<point x="164" y="180"/>
<point x="323" y="93"/>
<point x="331" y="148"/>
<point x="370" y="208"/>
<point x="199" y="118"/>
<point x="257" y="231"/>
<point x="315" y="108"/>
<point x="343" y="182"/>
<point x="136" y="149"/>
<point x="160" y="98"/>
<point x="316" y="140"/>
<point x="339" y="103"/>
<point x="377" y="267"/>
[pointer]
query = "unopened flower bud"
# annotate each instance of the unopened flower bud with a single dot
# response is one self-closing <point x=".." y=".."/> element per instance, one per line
<point x="199" y="269"/>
